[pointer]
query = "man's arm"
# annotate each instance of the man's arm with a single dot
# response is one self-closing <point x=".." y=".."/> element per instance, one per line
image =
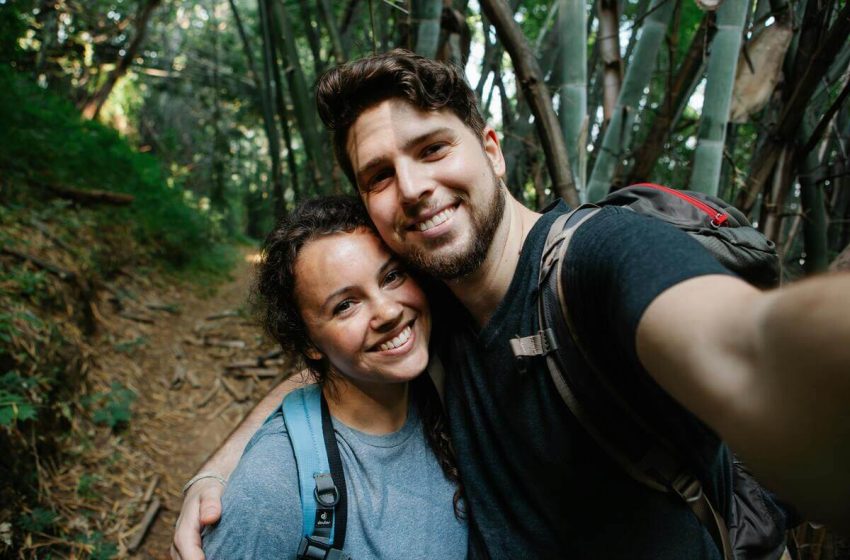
<point x="770" y="372"/>
<point x="202" y="502"/>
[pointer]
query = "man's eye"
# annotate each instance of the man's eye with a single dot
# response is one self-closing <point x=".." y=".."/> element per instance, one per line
<point x="379" y="177"/>
<point x="433" y="149"/>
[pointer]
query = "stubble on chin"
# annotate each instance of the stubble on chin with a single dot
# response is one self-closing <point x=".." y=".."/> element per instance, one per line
<point x="436" y="259"/>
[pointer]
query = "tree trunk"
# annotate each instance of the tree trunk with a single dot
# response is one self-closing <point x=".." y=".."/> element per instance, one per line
<point x="675" y="98"/>
<point x="327" y="14"/>
<point x="792" y="113"/>
<point x="266" y="97"/>
<point x="708" y="156"/>
<point x="91" y="109"/>
<point x="608" y="39"/>
<point x="428" y="13"/>
<point x="312" y="33"/>
<point x="617" y="139"/>
<point x="572" y="110"/>
<point x="304" y="107"/>
<point x="537" y="94"/>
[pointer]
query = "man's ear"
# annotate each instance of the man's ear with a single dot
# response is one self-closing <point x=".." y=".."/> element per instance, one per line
<point x="493" y="150"/>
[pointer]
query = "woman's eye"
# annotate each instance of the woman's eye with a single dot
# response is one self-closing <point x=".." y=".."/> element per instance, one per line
<point x="342" y="306"/>
<point x="395" y="276"/>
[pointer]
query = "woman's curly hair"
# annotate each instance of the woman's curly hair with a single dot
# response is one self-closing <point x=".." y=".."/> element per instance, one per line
<point x="274" y="303"/>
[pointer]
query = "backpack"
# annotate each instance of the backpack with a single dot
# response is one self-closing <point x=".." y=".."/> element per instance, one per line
<point x="755" y="529"/>
<point x="321" y="479"/>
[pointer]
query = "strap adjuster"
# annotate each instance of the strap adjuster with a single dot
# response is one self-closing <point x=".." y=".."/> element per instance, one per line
<point x="325" y="492"/>
<point x="317" y="548"/>
<point x="687" y="487"/>
<point x="538" y="344"/>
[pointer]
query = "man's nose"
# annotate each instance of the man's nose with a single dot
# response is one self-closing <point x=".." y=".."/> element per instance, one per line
<point x="414" y="183"/>
<point x="387" y="315"/>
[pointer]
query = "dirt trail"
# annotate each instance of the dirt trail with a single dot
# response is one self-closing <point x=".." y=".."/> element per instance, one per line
<point x="170" y="346"/>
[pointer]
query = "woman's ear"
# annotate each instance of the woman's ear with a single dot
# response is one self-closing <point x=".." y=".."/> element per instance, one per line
<point x="313" y="353"/>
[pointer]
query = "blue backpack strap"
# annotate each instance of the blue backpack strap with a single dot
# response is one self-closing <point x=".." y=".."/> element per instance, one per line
<point x="310" y="432"/>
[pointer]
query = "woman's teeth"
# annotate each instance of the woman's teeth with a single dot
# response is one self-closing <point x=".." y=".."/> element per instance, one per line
<point x="402" y="337"/>
<point x="434" y="221"/>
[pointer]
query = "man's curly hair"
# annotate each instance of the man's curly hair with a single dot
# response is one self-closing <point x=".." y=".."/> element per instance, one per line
<point x="344" y="92"/>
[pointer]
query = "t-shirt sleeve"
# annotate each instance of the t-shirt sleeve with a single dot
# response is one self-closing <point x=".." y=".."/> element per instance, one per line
<point x="618" y="262"/>
<point x="261" y="509"/>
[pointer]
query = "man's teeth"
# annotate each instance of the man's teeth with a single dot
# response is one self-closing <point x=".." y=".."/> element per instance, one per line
<point x="436" y="220"/>
<point x="402" y="337"/>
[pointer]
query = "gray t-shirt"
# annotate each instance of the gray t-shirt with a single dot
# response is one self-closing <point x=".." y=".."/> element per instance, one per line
<point x="399" y="501"/>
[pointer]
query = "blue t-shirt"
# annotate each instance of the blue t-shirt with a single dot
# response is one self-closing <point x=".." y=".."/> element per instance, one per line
<point x="399" y="501"/>
<point x="536" y="484"/>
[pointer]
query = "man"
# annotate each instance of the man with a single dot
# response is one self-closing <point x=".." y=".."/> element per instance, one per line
<point x="700" y="351"/>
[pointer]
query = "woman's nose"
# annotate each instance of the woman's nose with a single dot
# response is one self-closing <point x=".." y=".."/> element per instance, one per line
<point x="387" y="316"/>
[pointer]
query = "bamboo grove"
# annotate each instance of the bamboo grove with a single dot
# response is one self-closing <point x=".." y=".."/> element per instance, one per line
<point x="742" y="99"/>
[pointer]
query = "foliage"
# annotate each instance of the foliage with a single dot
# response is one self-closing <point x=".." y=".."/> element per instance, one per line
<point x="44" y="141"/>
<point x="112" y="407"/>
<point x="16" y="404"/>
<point x="38" y="520"/>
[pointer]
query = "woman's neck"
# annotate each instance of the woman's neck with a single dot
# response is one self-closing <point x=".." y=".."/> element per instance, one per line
<point x="371" y="408"/>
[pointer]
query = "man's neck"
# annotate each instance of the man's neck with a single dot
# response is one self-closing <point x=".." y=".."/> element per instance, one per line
<point x="483" y="290"/>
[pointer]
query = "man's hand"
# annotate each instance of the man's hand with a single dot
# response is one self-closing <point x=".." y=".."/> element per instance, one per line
<point x="201" y="507"/>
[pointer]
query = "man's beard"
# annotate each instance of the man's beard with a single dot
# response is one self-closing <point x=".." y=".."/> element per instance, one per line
<point x="459" y="265"/>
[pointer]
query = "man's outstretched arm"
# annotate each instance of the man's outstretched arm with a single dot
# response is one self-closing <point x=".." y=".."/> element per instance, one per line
<point x="768" y="371"/>
<point x="202" y="501"/>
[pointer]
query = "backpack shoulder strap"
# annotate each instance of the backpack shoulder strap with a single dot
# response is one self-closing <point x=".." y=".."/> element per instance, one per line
<point x="321" y="479"/>
<point x="651" y="464"/>
<point x="560" y="232"/>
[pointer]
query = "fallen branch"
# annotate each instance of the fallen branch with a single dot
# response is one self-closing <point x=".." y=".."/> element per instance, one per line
<point x="49" y="235"/>
<point x="259" y="363"/>
<point x="222" y="315"/>
<point x="237" y="344"/>
<point x="255" y="372"/>
<point x="209" y="396"/>
<point x="238" y="394"/>
<point x="137" y="318"/>
<point x="92" y="196"/>
<point x="167" y="307"/>
<point x="52" y="268"/>
<point x="144" y="526"/>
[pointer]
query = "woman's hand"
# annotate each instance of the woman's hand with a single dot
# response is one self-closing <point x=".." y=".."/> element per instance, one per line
<point x="201" y="507"/>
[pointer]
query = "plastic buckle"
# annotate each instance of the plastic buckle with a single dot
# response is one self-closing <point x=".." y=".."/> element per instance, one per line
<point x="317" y="548"/>
<point x="313" y="548"/>
<point x="688" y="488"/>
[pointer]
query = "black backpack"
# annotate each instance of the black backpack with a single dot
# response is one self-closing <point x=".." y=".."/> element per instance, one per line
<point x="755" y="529"/>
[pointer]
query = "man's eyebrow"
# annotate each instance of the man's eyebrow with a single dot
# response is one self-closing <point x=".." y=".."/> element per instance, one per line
<point x="410" y="144"/>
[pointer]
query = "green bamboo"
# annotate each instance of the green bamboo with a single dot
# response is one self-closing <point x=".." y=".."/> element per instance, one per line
<point x="814" y="207"/>
<point x="618" y="135"/>
<point x="427" y="13"/>
<point x="572" y="111"/>
<point x="305" y="112"/>
<point x="722" y="63"/>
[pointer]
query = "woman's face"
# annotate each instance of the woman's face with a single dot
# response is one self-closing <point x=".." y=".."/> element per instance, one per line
<point x="362" y="310"/>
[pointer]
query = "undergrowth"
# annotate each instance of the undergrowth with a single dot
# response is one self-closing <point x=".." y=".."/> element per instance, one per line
<point x="56" y="256"/>
<point x="45" y="142"/>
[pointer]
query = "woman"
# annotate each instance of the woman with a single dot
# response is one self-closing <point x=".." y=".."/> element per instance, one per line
<point x="330" y="290"/>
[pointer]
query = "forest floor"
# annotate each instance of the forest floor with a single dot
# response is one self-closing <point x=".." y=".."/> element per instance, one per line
<point x="171" y="347"/>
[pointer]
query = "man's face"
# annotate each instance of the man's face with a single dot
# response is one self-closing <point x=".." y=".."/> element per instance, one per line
<point x="430" y="185"/>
